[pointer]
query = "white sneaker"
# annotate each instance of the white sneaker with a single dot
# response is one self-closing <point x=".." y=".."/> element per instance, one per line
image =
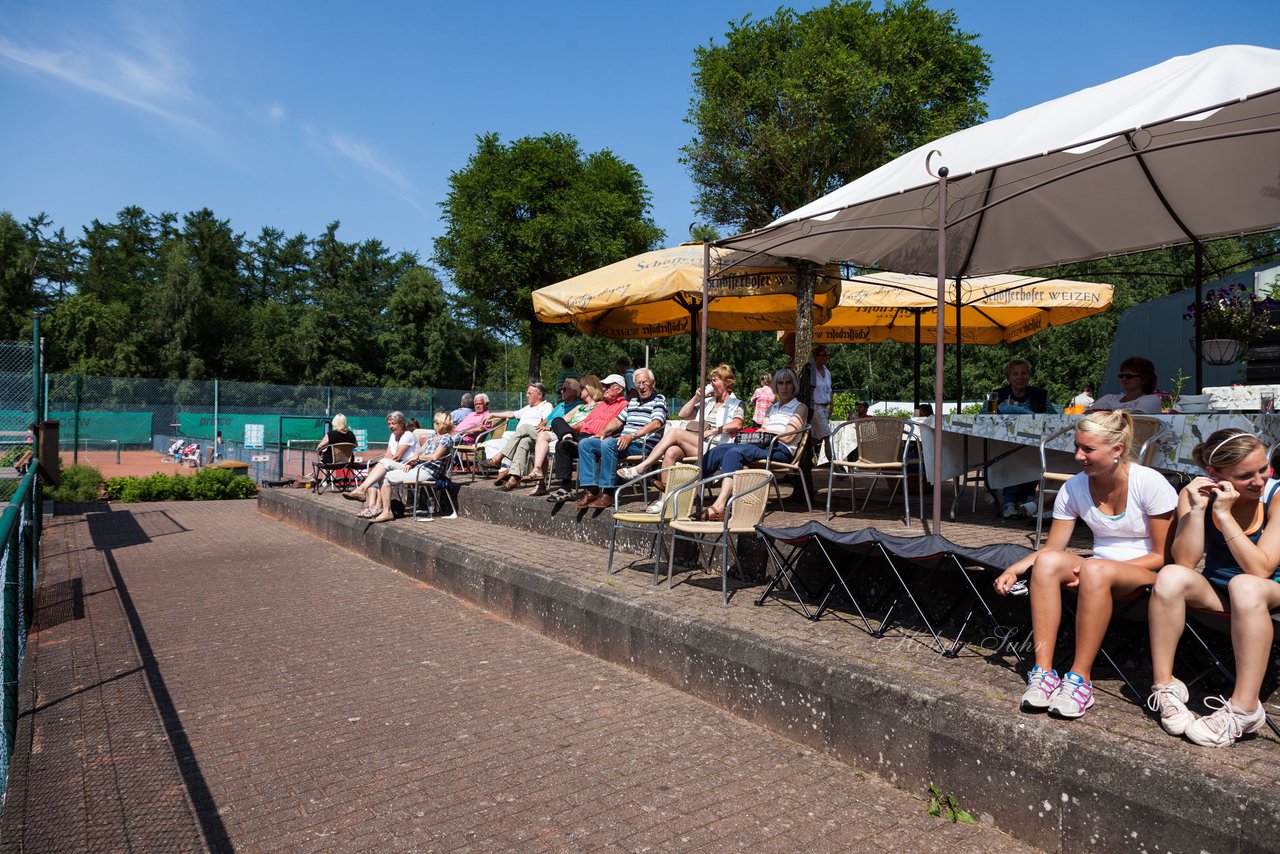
<point x="1009" y="512"/>
<point x="1226" y="725"/>
<point x="1169" y="701"/>
<point x="1029" y="509"/>
<point x="1073" y="698"/>
<point x="1041" y="685"/>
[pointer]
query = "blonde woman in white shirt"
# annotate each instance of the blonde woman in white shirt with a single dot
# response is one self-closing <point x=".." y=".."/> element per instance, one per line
<point x="1129" y="508"/>
<point x="723" y="420"/>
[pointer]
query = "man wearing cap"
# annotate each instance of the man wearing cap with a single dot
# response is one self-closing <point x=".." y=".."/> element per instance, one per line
<point x="639" y="427"/>
<point x="594" y="425"/>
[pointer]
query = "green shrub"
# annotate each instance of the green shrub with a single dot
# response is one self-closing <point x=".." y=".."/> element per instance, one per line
<point x="77" y="484"/>
<point x="218" y="484"/>
<point x="204" y="485"/>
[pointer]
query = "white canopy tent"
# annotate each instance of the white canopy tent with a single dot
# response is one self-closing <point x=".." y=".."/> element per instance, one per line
<point x="1181" y="152"/>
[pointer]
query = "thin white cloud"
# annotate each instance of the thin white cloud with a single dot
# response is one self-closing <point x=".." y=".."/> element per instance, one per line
<point x="276" y="112"/>
<point x="145" y="73"/>
<point x="362" y="155"/>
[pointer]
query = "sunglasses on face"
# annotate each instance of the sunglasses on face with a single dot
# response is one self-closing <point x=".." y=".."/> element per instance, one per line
<point x="1128" y="376"/>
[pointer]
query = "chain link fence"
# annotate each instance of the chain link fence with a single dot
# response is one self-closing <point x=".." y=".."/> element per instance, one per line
<point x="17" y="394"/>
<point x="273" y="428"/>
<point x="19" y="528"/>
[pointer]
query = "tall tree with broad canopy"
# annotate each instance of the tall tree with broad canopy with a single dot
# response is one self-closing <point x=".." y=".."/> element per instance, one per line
<point x="529" y="214"/>
<point x="795" y="106"/>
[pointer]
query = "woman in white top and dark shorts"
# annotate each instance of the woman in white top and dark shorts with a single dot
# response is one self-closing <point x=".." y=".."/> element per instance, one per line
<point x="786" y="415"/>
<point x="1129" y="509"/>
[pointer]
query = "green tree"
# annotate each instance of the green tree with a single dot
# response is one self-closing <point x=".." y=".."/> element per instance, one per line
<point x="422" y="342"/>
<point x="18" y="292"/>
<point x="796" y="105"/>
<point x="196" y="310"/>
<point x="529" y="214"/>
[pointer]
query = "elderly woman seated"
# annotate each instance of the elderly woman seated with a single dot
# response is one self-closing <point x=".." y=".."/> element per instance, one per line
<point x="425" y="466"/>
<point x="519" y="443"/>
<point x="787" y="414"/>
<point x="402" y="445"/>
<point x="720" y="423"/>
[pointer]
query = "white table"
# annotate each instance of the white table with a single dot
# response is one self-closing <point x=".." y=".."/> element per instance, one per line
<point x="1005" y="445"/>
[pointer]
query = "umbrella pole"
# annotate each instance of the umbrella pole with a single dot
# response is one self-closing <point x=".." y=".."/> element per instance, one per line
<point x="937" y="350"/>
<point x="694" y="313"/>
<point x="959" y="351"/>
<point x="1199" y="252"/>
<point x="702" y="356"/>
<point x="917" y="313"/>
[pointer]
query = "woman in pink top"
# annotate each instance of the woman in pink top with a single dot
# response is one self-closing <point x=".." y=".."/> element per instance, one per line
<point x="761" y="400"/>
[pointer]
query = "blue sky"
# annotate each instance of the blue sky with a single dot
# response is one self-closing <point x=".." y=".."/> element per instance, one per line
<point x="295" y="114"/>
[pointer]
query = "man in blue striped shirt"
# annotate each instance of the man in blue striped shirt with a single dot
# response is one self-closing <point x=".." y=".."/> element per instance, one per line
<point x="641" y="426"/>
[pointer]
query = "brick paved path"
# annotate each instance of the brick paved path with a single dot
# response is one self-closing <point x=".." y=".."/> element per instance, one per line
<point x="203" y="678"/>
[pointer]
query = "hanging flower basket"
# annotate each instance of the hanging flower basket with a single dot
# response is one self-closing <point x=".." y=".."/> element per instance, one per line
<point x="1231" y="319"/>
<point x="1222" y="351"/>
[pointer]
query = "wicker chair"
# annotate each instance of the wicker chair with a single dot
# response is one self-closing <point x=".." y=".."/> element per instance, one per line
<point x="793" y="468"/>
<point x="884" y="446"/>
<point x="673" y="507"/>
<point x="744" y="510"/>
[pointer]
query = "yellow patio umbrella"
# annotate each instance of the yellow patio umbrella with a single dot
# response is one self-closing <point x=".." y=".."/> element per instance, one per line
<point x="979" y="310"/>
<point x="991" y="309"/>
<point x="657" y="294"/>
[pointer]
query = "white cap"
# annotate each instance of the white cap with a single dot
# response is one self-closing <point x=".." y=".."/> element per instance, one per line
<point x="614" y="379"/>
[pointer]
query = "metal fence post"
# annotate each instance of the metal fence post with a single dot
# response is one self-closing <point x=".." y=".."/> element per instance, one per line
<point x="75" y="427"/>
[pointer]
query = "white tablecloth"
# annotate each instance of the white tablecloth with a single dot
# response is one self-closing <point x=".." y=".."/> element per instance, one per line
<point x="1021" y="434"/>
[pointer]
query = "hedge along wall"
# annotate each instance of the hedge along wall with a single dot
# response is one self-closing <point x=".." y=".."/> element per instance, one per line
<point x="127" y="428"/>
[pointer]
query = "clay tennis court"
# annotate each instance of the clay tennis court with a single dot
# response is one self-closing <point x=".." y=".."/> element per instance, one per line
<point x="147" y="462"/>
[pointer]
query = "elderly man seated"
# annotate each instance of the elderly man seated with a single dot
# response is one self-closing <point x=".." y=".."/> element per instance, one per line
<point x="474" y="424"/>
<point x="595" y="425"/>
<point x="465" y="408"/>
<point x="639" y="427"/>
<point x="519" y="443"/>
<point x="534" y="412"/>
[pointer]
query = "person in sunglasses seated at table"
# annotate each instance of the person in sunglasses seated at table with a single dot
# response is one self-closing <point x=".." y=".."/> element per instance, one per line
<point x="1138" y="381"/>
<point x="1019" y="396"/>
